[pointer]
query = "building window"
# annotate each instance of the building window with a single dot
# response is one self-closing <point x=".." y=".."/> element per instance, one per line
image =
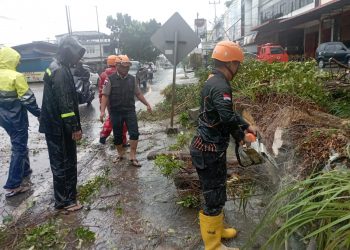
<point x="281" y="8"/>
<point x="90" y="50"/>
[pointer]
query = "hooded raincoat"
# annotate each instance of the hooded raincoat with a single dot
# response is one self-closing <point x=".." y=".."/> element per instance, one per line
<point x="60" y="118"/>
<point x="15" y="99"/>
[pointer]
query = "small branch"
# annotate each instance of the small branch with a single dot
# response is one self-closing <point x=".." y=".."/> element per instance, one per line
<point x="110" y="195"/>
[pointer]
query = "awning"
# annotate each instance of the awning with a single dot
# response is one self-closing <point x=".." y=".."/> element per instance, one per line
<point x="249" y="39"/>
<point x="267" y="26"/>
<point x="314" y="14"/>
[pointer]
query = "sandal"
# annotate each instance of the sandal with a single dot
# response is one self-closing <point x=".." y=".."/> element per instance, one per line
<point x="73" y="208"/>
<point x="135" y="163"/>
<point x="16" y="191"/>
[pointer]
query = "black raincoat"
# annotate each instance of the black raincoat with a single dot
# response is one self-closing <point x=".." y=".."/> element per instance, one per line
<point x="60" y="118"/>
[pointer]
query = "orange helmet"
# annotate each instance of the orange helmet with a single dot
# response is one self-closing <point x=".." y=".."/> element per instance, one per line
<point x="111" y="60"/>
<point x="227" y="51"/>
<point x="124" y="60"/>
<point x="117" y="59"/>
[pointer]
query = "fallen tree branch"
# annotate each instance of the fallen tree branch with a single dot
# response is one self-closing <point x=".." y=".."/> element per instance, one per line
<point x="184" y="156"/>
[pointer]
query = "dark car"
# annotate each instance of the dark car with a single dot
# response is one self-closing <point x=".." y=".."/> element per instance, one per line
<point x="337" y="50"/>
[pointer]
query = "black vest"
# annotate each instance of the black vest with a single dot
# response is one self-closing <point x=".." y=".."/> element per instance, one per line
<point x="122" y="93"/>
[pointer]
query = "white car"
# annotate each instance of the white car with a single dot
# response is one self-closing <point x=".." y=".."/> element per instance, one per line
<point x="94" y="77"/>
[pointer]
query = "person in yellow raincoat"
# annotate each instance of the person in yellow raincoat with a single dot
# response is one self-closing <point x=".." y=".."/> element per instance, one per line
<point x="15" y="99"/>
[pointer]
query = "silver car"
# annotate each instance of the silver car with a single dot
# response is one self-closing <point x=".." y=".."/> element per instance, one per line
<point x="94" y="77"/>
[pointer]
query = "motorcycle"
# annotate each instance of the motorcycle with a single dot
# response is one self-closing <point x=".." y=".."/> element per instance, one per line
<point x="150" y="74"/>
<point x="141" y="77"/>
<point x="83" y="85"/>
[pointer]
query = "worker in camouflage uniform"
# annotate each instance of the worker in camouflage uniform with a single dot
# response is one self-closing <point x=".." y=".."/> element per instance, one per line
<point x="216" y="122"/>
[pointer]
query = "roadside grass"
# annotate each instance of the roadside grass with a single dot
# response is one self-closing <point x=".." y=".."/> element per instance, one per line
<point x="187" y="97"/>
<point x="255" y="78"/>
<point x="315" y="208"/>
<point x="184" y="119"/>
<point x="299" y="79"/>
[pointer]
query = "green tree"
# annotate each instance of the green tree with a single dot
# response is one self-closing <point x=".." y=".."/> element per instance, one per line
<point x="133" y="37"/>
<point x="195" y="61"/>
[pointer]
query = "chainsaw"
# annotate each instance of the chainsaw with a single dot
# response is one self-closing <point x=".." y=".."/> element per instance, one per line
<point x="253" y="152"/>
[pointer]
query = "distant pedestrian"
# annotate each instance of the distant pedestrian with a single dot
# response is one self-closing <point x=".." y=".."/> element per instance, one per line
<point x="119" y="91"/>
<point x="216" y="122"/>
<point x="15" y="99"/>
<point x="150" y="73"/>
<point x="107" y="125"/>
<point x="60" y="122"/>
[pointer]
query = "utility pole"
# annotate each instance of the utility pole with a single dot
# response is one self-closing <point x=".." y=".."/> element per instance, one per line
<point x="215" y="3"/>
<point x="69" y="24"/>
<point x="99" y="39"/>
<point x="196" y="30"/>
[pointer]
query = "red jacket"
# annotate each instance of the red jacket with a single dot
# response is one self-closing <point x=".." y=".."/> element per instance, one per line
<point x="109" y="71"/>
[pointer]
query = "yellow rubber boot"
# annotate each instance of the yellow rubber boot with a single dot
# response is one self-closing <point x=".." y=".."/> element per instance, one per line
<point x="227" y="233"/>
<point x="211" y="230"/>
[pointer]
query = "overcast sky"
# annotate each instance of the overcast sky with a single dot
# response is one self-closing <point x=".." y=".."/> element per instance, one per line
<point x="24" y="21"/>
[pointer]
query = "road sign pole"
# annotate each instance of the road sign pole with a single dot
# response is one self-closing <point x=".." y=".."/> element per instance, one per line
<point x="174" y="81"/>
<point x="175" y="39"/>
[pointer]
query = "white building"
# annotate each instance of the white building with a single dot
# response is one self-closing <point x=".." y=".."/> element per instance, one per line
<point x="97" y="46"/>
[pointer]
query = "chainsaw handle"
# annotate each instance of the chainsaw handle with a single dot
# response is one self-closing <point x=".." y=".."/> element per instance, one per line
<point x="249" y="137"/>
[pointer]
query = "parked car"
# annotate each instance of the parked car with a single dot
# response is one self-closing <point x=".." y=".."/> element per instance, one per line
<point x="139" y="72"/>
<point x="270" y="53"/>
<point x="249" y="56"/>
<point x="94" y="77"/>
<point x="337" y="50"/>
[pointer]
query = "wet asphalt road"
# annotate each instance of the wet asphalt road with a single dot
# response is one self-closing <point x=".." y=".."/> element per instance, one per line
<point x="138" y="210"/>
<point x="144" y="186"/>
<point x="37" y="144"/>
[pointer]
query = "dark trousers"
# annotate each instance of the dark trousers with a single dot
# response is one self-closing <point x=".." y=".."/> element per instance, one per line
<point x="212" y="173"/>
<point x="19" y="165"/>
<point x="118" y="120"/>
<point x="63" y="162"/>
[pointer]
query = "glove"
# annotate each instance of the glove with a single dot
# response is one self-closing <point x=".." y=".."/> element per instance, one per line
<point x="238" y="135"/>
